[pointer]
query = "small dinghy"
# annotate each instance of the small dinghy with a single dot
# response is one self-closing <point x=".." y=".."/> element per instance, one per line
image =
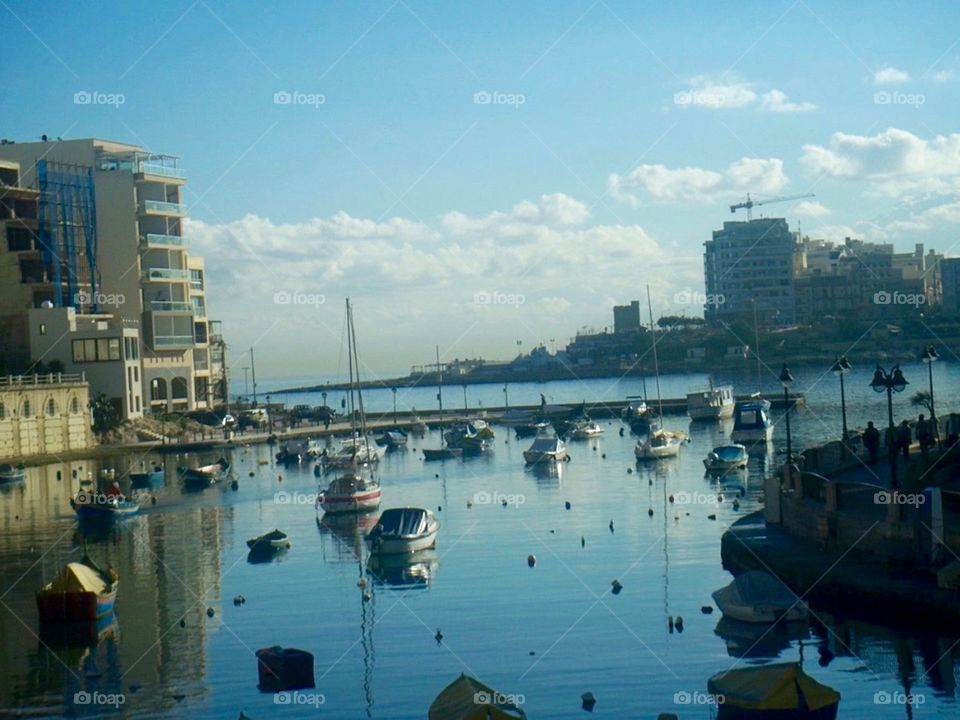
<point x="443" y="453"/>
<point x="467" y="698"/>
<point x="404" y="531"/>
<point x="759" y="597"/>
<point x="206" y="474"/>
<point x="779" y="690"/>
<point x="726" y="457"/>
<point x="81" y="592"/>
<point x="147" y="478"/>
<point x="270" y="542"/>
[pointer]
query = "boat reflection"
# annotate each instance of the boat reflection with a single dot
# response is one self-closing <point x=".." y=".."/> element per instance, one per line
<point x="547" y="474"/>
<point x="347" y="532"/>
<point x="73" y="642"/>
<point x="759" y="640"/>
<point x="404" y="572"/>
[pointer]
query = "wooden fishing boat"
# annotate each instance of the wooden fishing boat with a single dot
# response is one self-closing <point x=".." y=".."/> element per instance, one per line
<point x="81" y="592"/>
<point x="147" y="478"/>
<point x="778" y="690"/>
<point x="206" y="474"/>
<point x="270" y="542"/>
<point x="103" y="506"/>
<point x="467" y="698"/>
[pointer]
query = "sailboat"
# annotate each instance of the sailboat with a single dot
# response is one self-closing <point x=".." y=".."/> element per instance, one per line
<point x="353" y="491"/>
<point x="660" y="443"/>
<point x="449" y="451"/>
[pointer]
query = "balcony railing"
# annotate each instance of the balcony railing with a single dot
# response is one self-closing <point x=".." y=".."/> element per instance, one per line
<point x="166" y="274"/>
<point x="171" y="306"/>
<point x="173" y="340"/>
<point x="166" y="208"/>
<point x="198" y="307"/>
<point x="157" y="169"/>
<point x="201" y="365"/>
<point x="155" y="239"/>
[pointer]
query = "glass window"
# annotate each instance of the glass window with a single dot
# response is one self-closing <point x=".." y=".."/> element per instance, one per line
<point x="74" y="406"/>
<point x="78" y="356"/>
<point x="3" y="411"/>
<point x="136" y="374"/>
<point x="90" y="350"/>
<point x="114" y="348"/>
<point x="26" y="411"/>
<point x="51" y="407"/>
<point x="103" y="349"/>
<point x="137" y="398"/>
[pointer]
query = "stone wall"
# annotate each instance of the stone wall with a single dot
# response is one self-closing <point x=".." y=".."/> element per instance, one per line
<point x="44" y="415"/>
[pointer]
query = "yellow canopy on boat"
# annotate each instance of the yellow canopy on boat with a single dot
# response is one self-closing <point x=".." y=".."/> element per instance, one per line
<point x="779" y="686"/>
<point x="467" y="698"/>
<point x="77" y="577"/>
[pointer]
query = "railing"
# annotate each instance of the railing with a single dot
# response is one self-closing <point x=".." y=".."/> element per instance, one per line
<point x="151" y="239"/>
<point x="196" y="284"/>
<point x="166" y="274"/>
<point x="45" y="379"/>
<point x="171" y="306"/>
<point x="171" y="340"/>
<point x="199" y="309"/>
<point x="201" y="364"/>
<point x="168" y="208"/>
<point x="155" y="169"/>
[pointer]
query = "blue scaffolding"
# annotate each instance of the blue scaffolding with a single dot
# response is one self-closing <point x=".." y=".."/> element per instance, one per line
<point x="67" y="224"/>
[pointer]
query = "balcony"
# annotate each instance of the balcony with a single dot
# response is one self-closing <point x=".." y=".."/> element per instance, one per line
<point x="171" y="306"/>
<point x="158" y="207"/>
<point x="167" y="275"/>
<point x="148" y="168"/>
<point x="174" y="342"/>
<point x="157" y="240"/>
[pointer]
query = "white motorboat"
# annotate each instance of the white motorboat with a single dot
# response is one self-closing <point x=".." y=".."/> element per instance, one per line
<point x="726" y="457"/>
<point x="712" y="403"/>
<point x="350" y="493"/>
<point x="751" y="422"/>
<point x="545" y="448"/>
<point x="403" y="531"/>
<point x="353" y="453"/>
<point x="759" y="597"/>
<point x="584" y="430"/>
<point x="660" y="444"/>
<point x="316" y="448"/>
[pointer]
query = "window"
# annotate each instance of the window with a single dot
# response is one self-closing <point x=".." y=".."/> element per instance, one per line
<point x="26" y="411"/>
<point x="74" y="406"/>
<point x="96" y="350"/>
<point x="51" y="407"/>
<point x="3" y="411"/>
<point x="137" y="398"/>
<point x="78" y="356"/>
<point x="136" y="374"/>
<point x="103" y="348"/>
<point x="90" y="350"/>
<point x="43" y="328"/>
<point x="114" y="345"/>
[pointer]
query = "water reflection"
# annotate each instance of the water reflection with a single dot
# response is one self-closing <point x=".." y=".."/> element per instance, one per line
<point x="759" y="640"/>
<point x="346" y="533"/>
<point x="548" y="475"/>
<point x="405" y="572"/>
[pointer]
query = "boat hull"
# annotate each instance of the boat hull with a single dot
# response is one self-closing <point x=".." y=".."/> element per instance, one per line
<point x="751" y="435"/>
<point x="732" y="712"/>
<point x="97" y="510"/>
<point x="443" y="454"/>
<point x="66" y="607"/>
<point x="532" y="458"/>
<point x="657" y="453"/>
<point x="357" y="503"/>
<point x="404" y="546"/>
<point x="12" y="475"/>
<point x="711" y="413"/>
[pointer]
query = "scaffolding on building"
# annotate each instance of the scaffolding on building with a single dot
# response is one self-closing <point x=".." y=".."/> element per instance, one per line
<point x="67" y="224"/>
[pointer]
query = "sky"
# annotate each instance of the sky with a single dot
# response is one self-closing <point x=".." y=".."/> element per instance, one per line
<point x="493" y="176"/>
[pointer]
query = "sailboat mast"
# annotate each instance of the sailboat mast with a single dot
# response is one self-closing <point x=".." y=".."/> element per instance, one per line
<point x="356" y="356"/>
<point x="253" y="371"/>
<point x="350" y="402"/>
<point x="439" y="386"/>
<point x="656" y="363"/>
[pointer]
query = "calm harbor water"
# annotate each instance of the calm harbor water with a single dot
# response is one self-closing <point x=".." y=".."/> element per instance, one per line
<point x="548" y="633"/>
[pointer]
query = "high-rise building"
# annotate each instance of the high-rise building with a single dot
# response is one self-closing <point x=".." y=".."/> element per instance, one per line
<point x="950" y="279"/>
<point x="750" y="265"/>
<point x="141" y="268"/>
<point x="626" y="318"/>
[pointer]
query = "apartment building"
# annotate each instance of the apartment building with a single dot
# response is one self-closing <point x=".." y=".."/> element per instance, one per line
<point x="142" y="270"/>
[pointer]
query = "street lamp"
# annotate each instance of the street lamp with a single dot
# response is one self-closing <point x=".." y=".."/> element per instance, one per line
<point x="930" y="356"/>
<point x="786" y="379"/>
<point x="892" y="382"/>
<point x="506" y="397"/>
<point x="840" y="368"/>
<point x="394" y="390"/>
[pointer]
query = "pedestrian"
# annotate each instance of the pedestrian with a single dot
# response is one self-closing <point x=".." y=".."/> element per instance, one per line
<point x="871" y="441"/>
<point x="903" y="438"/>
<point x="924" y="435"/>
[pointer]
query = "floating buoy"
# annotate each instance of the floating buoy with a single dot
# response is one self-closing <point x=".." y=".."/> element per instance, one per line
<point x="436" y="475"/>
<point x="736" y="504"/>
<point x="611" y="526"/>
<point x="366" y="596"/>
<point x="469" y="504"/>
<point x="279" y="478"/>
<point x="361" y="582"/>
<point x="616" y="586"/>
<point x="707" y="609"/>
<point x="678" y="623"/>
<point x="503" y="502"/>
<point x="234" y="485"/>
<point x="720" y="497"/>
<point x="650" y="482"/>
<point x="670" y="622"/>
<point x="650" y="512"/>
<point x="670" y="498"/>
<point x="438" y="637"/>
<point x="712" y="516"/>
<point x="183" y="623"/>
<point x="251" y="473"/>
<point x="439" y="508"/>
<point x="239" y="600"/>
<point x="629" y="471"/>
<point x="210" y="612"/>
<point x="532" y="652"/>
<point x="567" y="504"/>
<point x="588" y="701"/>
<point x="583" y="541"/>
<point x="531" y="560"/>
<point x="604" y="456"/>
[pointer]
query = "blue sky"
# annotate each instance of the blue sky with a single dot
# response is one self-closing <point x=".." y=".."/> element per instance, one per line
<point x="616" y="135"/>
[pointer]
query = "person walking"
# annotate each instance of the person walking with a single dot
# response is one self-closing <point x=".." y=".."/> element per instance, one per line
<point x="924" y="435"/>
<point x="871" y="441"/>
<point x="903" y="438"/>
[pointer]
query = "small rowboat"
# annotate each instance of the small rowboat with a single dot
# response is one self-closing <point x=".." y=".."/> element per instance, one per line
<point x="206" y="474"/>
<point x="404" y="531"/>
<point x="270" y="542"/>
<point x="147" y="478"/>
<point x="81" y="592"/>
<point x="103" y="506"/>
<point x="11" y="473"/>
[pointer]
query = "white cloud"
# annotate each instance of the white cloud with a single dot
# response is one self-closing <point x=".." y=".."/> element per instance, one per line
<point x="811" y="209"/>
<point x="524" y="220"/>
<point x="945" y="76"/>
<point x="707" y="93"/>
<point x="890" y="76"/>
<point x="658" y="183"/>
<point x="776" y="101"/>
<point x="895" y="162"/>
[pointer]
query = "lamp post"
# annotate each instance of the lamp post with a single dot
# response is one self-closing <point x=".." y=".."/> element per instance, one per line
<point x="465" y="397"/>
<point x="929" y="357"/>
<point x="323" y="394"/>
<point x="394" y="390"/>
<point x="840" y="368"/>
<point x="506" y="397"/>
<point x="786" y="379"/>
<point x="892" y="382"/>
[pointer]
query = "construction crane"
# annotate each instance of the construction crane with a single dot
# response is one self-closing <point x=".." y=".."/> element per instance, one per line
<point x="750" y="203"/>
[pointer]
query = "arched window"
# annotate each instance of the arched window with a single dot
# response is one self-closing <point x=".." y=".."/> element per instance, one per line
<point x="3" y="411"/>
<point x="51" y="407"/>
<point x="26" y="411"/>
<point x="179" y="388"/>
<point x="158" y="389"/>
<point x="74" y="405"/>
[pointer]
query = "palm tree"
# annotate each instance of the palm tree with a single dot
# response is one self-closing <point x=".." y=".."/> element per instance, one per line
<point x="922" y="399"/>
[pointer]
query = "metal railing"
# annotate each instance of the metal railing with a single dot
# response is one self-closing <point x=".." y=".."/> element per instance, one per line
<point x="156" y="169"/>
<point x="172" y="340"/>
<point x="168" y="208"/>
<point x="166" y="274"/>
<point x="151" y="239"/>
<point x="44" y="379"/>
<point x="171" y="306"/>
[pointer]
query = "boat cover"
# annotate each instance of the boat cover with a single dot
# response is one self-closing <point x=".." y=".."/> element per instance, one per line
<point x="758" y="588"/>
<point x="729" y="453"/>
<point x="546" y="444"/>
<point x="779" y="686"/>
<point x="753" y="414"/>
<point x="459" y="701"/>
<point x="402" y="522"/>
<point x="77" y="577"/>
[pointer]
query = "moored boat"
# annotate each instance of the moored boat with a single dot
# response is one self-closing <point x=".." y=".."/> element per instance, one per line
<point x="545" y="448"/>
<point x="393" y="438"/>
<point x="207" y="474"/>
<point x="270" y="542"/>
<point x="711" y="403"/>
<point x="403" y="531"/>
<point x="350" y="492"/>
<point x="81" y="592"/>
<point x="147" y="478"/>
<point x="660" y="444"/>
<point x="778" y="690"/>
<point x="103" y="506"/>
<point x="11" y="473"/>
<point x="467" y="698"/>
<point x="446" y="453"/>
<point x="726" y="457"/>
<point x="584" y="430"/>
<point x="751" y="422"/>
<point x="759" y="597"/>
